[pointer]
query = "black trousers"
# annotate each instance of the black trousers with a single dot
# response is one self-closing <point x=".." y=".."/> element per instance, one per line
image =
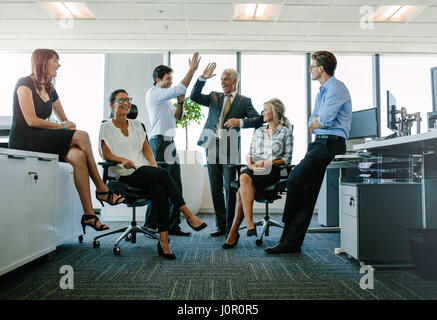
<point x="158" y="183"/>
<point x="220" y="177"/>
<point x="304" y="184"/>
<point x="159" y="145"/>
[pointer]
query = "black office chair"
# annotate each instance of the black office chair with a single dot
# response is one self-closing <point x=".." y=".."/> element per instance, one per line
<point x="267" y="195"/>
<point x="135" y="197"/>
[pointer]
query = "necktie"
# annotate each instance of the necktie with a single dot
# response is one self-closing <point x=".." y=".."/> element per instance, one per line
<point x="226" y="109"/>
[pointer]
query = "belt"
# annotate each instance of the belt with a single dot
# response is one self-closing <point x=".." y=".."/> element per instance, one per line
<point x="160" y="136"/>
<point x="328" y="137"/>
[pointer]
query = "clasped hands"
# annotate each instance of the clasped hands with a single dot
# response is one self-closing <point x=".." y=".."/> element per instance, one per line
<point x="69" y="125"/>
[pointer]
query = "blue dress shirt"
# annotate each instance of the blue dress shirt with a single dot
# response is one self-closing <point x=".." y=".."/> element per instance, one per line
<point x="333" y="106"/>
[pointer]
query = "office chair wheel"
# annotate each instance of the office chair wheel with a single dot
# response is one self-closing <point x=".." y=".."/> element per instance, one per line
<point x="96" y="244"/>
<point x="117" y="251"/>
<point x="128" y="237"/>
<point x="258" y="242"/>
<point x="80" y="239"/>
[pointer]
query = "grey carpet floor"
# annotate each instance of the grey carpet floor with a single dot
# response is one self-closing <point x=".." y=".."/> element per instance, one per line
<point x="204" y="271"/>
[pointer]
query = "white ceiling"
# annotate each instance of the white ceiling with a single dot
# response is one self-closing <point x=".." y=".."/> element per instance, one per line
<point x="208" y="25"/>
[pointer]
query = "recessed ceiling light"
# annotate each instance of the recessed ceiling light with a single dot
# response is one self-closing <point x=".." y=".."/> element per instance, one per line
<point x="250" y="9"/>
<point x="67" y="10"/>
<point x="255" y="11"/>
<point x="390" y="11"/>
<point x="260" y="9"/>
<point x="397" y="13"/>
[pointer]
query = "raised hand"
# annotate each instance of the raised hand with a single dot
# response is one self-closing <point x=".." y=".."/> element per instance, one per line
<point x="209" y="71"/>
<point x="194" y="61"/>
<point x="181" y="98"/>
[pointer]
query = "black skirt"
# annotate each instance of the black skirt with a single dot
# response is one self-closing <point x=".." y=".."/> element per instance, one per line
<point x="261" y="181"/>
<point x="55" y="141"/>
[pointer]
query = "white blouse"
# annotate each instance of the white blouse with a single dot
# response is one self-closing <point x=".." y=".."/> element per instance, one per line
<point x="130" y="147"/>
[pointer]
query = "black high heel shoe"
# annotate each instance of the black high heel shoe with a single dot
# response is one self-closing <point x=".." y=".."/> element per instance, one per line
<point x="90" y="220"/>
<point x="252" y="232"/>
<point x="169" y="256"/>
<point x="202" y="226"/>
<point x="230" y="246"/>
<point x="109" y="198"/>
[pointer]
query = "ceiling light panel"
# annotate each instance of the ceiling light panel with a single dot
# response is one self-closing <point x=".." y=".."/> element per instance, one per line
<point x="256" y="11"/>
<point x="66" y="10"/>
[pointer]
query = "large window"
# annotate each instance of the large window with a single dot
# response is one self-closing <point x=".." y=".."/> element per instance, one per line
<point x="408" y="78"/>
<point x="13" y="66"/>
<point x="80" y="86"/>
<point x="179" y="64"/>
<point x="276" y="76"/>
<point x="356" y="73"/>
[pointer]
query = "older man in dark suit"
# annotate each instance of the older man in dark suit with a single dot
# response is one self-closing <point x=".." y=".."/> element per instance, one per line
<point x="228" y="113"/>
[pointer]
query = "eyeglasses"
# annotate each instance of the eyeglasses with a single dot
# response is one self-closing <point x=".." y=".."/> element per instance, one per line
<point x="121" y="100"/>
<point x="311" y="68"/>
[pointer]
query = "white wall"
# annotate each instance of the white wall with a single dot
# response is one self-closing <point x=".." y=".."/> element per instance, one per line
<point x="132" y="72"/>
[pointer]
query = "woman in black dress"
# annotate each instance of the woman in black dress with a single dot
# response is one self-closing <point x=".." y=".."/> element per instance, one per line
<point x="34" y="99"/>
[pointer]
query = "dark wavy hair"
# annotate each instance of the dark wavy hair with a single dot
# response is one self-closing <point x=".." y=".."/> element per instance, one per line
<point x="160" y="72"/>
<point x="327" y="60"/>
<point x="39" y="60"/>
<point x="114" y="94"/>
<point x="112" y="99"/>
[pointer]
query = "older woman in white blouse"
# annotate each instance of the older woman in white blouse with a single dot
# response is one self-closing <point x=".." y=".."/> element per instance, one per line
<point x="272" y="146"/>
<point x="124" y="141"/>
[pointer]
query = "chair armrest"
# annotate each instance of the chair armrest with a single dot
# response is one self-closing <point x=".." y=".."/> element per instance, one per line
<point x="106" y="165"/>
<point x="162" y="164"/>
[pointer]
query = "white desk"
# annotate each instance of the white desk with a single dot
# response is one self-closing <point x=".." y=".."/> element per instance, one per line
<point x="414" y="144"/>
<point x="424" y="144"/>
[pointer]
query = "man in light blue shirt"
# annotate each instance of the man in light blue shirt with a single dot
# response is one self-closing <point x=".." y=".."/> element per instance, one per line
<point x="163" y="116"/>
<point x="330" y="122"/>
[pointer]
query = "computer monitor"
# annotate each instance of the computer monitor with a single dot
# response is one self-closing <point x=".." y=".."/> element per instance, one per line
<point x="434" y="88"/>
<point x="391" y="112"/>
<point x="364" y="124"/>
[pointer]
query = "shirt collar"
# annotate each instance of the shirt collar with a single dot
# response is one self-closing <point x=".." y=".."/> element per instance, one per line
<point x="328" y="83"/>
<point x="233" y="94"/>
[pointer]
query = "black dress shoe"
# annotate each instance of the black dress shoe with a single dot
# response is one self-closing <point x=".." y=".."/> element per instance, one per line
<point x="252" y="232"/>
<point x="283" y="247"/>
<point x="218" y="233"/>
<point x="202" y="226"/>
<point x="230" y="246"/>
<point x="169" y="256"/>
<point x="180" y="233"/>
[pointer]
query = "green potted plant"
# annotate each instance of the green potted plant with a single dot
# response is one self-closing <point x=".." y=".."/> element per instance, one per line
<point x="192" y="171"/>
<point x="192" y="114"/>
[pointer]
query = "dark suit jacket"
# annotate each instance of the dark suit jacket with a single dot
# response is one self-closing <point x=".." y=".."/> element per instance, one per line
<point x="241" y="108"/>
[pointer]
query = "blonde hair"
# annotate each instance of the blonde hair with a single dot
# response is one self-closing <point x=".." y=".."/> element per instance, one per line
<point x="278" y="110"/>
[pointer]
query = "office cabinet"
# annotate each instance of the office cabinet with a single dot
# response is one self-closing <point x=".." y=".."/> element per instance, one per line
<point x="328" y="211"/>
<point x="375" y="219"/>
<point x="68" y="206"/>
<point x="27" y="206"/>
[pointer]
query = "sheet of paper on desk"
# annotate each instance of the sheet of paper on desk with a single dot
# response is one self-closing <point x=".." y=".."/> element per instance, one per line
<point x="366" y="165"/>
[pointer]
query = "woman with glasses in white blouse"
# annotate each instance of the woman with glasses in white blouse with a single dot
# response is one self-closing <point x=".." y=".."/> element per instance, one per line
<point x="271" y="147"/>
<point x="123" y="141"/>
